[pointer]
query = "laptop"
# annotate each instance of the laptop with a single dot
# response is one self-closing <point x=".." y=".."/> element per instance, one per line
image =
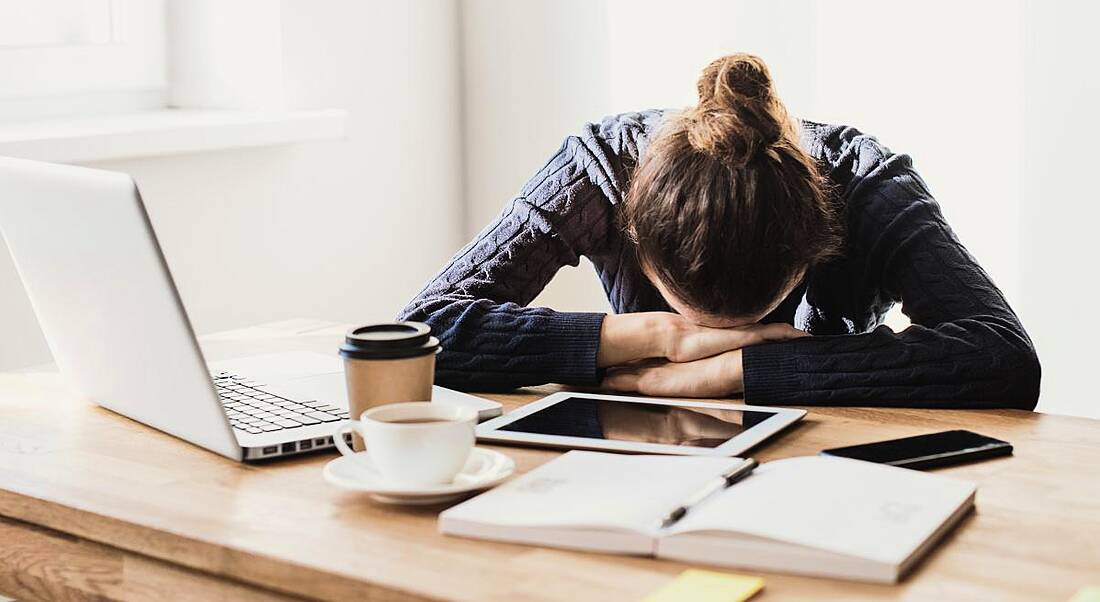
<point x="112" y="316"/>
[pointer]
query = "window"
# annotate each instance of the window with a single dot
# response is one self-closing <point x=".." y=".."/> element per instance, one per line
<point x="81" y="56"/>
<point x="87" y="80"/>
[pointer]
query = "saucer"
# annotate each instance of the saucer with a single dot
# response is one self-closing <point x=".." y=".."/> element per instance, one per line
<point x="485" y="468"/>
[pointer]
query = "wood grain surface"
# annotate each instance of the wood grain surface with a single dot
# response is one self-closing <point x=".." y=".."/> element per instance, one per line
<point x="96" y="506"/>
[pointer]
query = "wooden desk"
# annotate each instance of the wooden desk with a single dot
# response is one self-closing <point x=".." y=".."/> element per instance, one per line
<point x="93" y="505"/>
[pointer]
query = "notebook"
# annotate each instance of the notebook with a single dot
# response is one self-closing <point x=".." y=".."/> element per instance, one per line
<point x="812" y="515"/>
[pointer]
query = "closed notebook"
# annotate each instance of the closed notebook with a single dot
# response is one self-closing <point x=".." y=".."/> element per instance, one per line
<point x="812" y="515"/>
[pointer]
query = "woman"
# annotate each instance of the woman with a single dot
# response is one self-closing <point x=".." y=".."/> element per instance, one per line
<point x="726" y="236"/>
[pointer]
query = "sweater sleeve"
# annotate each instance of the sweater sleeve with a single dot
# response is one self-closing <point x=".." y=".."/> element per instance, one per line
<point x="965" y="347"/>
<point x="477" y="304"/>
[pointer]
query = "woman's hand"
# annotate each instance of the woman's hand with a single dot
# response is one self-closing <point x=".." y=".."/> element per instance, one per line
<point x="687" y="342"/>
<point x="695" y="361"/>
<point x="717" y="376"/>
<point x="626" y="338"/>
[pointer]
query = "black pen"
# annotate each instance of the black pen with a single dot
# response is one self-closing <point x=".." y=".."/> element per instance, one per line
<point x="736" y="474"/>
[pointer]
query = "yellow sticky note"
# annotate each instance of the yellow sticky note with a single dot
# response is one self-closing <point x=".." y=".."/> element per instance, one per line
<point x="694" y="585"/>
<point x="1089" y="593"/>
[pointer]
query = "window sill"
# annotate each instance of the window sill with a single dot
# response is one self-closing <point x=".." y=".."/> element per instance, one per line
<point x="163" y="132"/>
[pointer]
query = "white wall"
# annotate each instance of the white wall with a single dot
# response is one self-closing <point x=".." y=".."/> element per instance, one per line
<point x="533" y="73"/>
<point x="989" y="97"/>
<point x="992" y="99"/>
<point x="343" y="230"/>
<point x="1061" y="207"/>
<point x="533" y="67"/>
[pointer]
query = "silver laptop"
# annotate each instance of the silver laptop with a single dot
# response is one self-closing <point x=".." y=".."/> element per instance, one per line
<point x="110" y="311"/>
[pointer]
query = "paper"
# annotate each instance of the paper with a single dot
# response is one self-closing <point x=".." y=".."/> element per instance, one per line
<point x="694" y="585"/>
<point x="595" y="490"/>
<point x="850" y="507"/>
<point x="1089" y="593"/>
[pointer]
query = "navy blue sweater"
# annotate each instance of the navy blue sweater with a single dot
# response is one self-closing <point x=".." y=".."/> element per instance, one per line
<point x="965" y="348"/>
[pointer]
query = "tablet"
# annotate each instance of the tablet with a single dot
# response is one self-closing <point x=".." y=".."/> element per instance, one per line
<point x="638" y="425"/>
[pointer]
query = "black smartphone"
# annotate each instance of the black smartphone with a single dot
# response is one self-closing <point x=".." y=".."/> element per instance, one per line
<point x="927" y="451"/>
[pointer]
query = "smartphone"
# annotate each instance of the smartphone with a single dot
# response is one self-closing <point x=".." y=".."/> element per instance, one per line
<point x="927" y="451"/>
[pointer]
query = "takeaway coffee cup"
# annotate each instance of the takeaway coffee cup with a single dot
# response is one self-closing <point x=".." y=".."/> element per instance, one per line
<point x="388" y="363"/>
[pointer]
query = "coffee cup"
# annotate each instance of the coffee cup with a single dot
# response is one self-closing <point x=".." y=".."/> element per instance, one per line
<point x="385" y="363"/>
<point x="413" y="444"/>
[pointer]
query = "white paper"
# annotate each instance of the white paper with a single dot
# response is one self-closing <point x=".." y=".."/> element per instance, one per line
<point x="846" y="506"/>
<point x="598" y="490"/>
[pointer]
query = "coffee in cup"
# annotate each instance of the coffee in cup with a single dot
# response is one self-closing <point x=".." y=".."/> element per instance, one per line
<point x="415" y="444"/>
<point x="388" y="363"/>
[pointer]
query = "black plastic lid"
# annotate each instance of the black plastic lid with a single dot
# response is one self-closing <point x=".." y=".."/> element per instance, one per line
<point x="389" y="341"/>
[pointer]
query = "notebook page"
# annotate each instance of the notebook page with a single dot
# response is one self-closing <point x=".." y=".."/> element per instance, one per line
<point x="846" y="506"/>
<point x="593" y="489"/>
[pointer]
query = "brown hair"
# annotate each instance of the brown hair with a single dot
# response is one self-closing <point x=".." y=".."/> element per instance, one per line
<point x="725" y="208"/>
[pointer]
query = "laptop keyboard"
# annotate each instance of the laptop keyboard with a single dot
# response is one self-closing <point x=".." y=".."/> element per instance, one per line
<point x="253" y="410"/>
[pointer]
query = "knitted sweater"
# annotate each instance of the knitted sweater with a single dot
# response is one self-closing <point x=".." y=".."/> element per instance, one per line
<point x="965" y="347"/>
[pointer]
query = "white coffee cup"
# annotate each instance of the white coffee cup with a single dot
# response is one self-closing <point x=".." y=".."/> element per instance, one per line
<point x="415" y="443"/>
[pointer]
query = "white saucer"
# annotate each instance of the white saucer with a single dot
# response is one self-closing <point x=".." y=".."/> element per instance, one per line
<point x="483" y="469"/>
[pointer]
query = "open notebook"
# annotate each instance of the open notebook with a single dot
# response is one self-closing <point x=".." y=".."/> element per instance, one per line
<point x="813" y="515"/>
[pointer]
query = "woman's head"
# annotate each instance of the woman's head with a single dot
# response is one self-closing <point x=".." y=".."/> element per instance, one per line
<point x="727" y="210"/>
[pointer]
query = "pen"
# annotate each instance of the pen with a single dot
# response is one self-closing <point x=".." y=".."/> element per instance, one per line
<point x="729" y="478"/>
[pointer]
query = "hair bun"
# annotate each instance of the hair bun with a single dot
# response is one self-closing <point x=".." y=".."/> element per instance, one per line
<point x="739" y="115"/>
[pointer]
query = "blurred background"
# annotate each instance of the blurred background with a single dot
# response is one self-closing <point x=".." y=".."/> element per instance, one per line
<point x="324" y="158"/>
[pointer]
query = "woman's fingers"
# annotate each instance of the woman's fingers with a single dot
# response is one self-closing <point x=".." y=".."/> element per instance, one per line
<point x="778" y="332"/>
<point x="653" y="380"/>
<point x="717" y="376"/>
<point x="624" y="380"/>
<point x="700" y="341"/>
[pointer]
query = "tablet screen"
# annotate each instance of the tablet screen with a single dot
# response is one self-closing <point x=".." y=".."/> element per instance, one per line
<point x="640" y="422"/>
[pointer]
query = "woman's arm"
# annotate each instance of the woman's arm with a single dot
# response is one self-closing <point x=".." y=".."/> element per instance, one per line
<point x="965" y="348"/>
<point x="627" y="338"/>
<point x="476" y="304"/>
